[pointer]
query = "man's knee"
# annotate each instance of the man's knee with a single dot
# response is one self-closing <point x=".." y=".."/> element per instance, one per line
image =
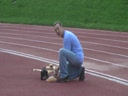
<point x="62" y="50"/>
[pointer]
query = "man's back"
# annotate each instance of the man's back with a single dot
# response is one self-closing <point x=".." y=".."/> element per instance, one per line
<point x="72" y="43"/>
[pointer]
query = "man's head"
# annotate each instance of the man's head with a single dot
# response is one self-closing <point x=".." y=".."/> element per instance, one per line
<point x="58" y="28"/>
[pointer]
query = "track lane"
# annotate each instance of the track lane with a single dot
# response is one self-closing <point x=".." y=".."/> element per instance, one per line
<point x="88" y="71"/>
<point x="113" y="71"/>
<point x="89" y="53"/>
<point x="60" y="43"/>
<point x="22" y="81"/>
<point x="75" y="30"/>
<point x="93" y="54"/>
<point x="97" y="46"/>
<point x="52" y="34"/>
<point x="121" y="43"/>
<point x="49" y="54"/>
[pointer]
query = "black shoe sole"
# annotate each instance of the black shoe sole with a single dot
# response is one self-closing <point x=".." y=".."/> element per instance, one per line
<point x="61" y="80"/>
<point x="82" y="75"/>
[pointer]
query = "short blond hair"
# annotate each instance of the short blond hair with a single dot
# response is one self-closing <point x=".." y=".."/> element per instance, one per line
<point x="57" y="22"/>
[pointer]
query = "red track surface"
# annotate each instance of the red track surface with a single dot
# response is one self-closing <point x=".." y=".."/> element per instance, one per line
<point x="106" y="53"/>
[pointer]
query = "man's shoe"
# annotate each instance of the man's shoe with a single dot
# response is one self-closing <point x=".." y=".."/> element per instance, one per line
<point x="82" y="75"/>
<point x="61" y="80"/>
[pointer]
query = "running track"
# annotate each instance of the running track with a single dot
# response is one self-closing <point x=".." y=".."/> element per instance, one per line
<point x="24" y="47"/>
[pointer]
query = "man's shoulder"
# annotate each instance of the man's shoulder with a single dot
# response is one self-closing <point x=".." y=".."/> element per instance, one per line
<point x="67" y="32"/>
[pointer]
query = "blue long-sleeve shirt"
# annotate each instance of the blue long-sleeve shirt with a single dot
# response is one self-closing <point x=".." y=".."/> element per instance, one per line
<point x="72" y="43"/>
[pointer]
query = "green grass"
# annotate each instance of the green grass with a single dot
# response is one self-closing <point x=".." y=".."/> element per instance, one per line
<point x="96" y="14"/>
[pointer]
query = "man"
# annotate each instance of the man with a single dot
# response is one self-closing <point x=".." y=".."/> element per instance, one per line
<point x="71" y="56"/>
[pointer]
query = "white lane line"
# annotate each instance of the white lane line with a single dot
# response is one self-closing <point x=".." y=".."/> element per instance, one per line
<point x="27" y="55"/>
<point x="105" y="45"/>
<point x="119" y="65"/>
<point x="100" y="34"/>
<point x="104" y="39"/>
<point x="88" y="71"/>
<point x="90" y="37"/>
<point x="99" y="31"/>
<point x="32" y="40"/>
<point x="43" y="31"/>
<point x="108" y="77"/>
<point x="52" y="32"/>
<point x="105" y="52"/>
<point x="85" y="31"/>
<point x="26" y="27"/>
<point x="28" y="46"/>
<point x="61" y="39"/>
<point x="27" y="35"/>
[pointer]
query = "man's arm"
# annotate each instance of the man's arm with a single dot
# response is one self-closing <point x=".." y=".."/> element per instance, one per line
<point x="67" y="43"/>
